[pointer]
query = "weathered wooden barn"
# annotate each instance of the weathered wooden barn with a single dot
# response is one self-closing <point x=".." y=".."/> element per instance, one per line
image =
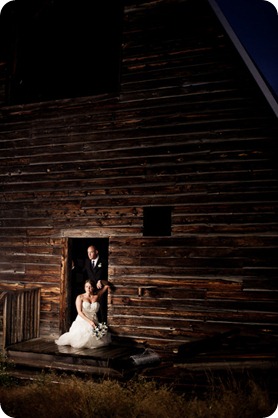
<point x="165" y="156"/>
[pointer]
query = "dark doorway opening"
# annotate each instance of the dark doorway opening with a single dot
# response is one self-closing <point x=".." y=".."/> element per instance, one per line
<point x="77" y="257"/>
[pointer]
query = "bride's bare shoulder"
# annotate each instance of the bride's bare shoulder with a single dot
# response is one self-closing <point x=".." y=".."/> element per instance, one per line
<point x="81" y="297"/>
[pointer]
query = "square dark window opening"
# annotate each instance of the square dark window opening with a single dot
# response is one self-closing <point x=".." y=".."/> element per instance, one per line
<point x="157" y="221"/>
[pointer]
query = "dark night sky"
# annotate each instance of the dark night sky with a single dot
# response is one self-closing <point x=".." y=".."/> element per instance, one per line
<point x="255" y="23"/>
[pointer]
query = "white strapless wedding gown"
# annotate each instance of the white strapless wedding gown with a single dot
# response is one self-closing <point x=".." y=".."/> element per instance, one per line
<point x="80" y="334"/>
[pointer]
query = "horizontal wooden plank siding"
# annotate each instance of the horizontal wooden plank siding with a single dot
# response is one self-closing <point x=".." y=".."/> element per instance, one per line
<point x="189" y="130"/>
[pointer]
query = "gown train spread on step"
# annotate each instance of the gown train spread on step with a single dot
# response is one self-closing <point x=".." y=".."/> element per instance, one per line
<point x="80" y="334"/>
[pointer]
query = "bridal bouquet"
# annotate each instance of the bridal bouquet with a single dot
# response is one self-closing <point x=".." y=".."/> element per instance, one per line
<point x="100" y="330"/>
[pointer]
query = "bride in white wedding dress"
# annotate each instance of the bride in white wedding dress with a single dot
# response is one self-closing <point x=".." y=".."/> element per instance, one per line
<point x="86" y="331"/>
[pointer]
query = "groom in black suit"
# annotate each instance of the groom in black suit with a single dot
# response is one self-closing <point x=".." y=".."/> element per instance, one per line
<point x="96" y="270"/>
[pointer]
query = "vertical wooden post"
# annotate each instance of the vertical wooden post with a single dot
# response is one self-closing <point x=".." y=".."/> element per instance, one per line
<point x="65" y="272"/>
<point x="21" y="315"/>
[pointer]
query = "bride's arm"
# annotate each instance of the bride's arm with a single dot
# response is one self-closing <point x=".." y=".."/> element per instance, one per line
<point x="78" y="304"/>
<point x="102" y="290"/>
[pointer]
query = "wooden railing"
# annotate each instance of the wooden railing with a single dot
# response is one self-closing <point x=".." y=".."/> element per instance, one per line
<point x="20" y="311"/>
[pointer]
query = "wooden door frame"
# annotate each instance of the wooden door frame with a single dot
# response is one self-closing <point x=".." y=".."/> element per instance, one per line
<point x="64" y="285"/>
<point x="65" y="288"/>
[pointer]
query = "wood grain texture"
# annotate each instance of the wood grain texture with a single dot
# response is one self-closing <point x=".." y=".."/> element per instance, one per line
<point x="189" y="130"/>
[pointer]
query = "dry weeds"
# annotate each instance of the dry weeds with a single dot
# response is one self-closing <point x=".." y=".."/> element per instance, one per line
<point x="60" y="397"/>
